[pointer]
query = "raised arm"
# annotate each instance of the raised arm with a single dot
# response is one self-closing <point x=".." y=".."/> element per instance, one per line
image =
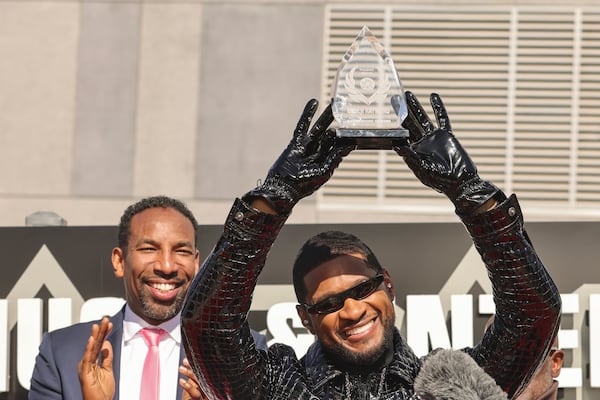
<point x="527" y="300"/>
<point x="215" y="331"/>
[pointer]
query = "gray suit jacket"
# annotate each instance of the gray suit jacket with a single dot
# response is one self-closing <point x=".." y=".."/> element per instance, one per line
<point x="55" y="374"/>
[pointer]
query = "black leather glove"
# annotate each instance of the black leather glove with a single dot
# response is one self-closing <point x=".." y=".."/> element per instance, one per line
<point x="438" y="159"/>
<point x="305" y="165"/>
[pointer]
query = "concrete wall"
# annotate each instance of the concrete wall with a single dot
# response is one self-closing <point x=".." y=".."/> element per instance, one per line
<point x="103" y="102"/>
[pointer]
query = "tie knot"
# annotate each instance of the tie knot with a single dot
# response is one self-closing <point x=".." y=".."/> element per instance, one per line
<point x="152" y="336"/>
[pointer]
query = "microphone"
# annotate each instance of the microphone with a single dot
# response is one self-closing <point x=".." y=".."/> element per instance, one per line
<point x="453" y="375"/>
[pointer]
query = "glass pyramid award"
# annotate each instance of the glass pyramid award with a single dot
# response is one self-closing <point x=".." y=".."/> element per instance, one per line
<point x="364" y="84"/>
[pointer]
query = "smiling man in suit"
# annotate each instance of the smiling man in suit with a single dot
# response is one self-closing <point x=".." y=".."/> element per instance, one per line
<point x="157" y="258"/>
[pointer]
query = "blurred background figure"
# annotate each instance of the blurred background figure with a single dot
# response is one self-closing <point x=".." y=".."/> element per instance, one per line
<point x="543" y="385"/>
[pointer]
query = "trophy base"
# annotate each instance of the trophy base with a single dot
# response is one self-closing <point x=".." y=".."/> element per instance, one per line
<point x="373" y="139"/>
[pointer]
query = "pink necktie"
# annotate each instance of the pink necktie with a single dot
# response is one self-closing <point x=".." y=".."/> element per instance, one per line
<point x="150" y="388"/>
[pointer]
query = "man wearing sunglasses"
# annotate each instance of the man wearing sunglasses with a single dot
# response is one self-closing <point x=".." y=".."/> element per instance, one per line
<point x="345" y="296"/>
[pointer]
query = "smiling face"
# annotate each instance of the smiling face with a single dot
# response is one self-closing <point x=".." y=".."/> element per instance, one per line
<point x="361" y="332"/>
<point x="159" y="265"/>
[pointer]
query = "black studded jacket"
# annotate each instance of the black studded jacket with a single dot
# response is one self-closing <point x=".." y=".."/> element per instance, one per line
<point x="220" y="348"/>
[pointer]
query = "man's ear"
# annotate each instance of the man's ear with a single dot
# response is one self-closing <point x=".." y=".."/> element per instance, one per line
<point x="196" y="262"/>
<point x="305" y="318"/>
<point x="389" y="284"/>
<point x="557" y="361"/>
<point x="118" y="262"/>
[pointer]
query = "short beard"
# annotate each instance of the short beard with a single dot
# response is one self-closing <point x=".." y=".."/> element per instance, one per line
<point x="374" y="358"/>
<point x="159" y="311"/>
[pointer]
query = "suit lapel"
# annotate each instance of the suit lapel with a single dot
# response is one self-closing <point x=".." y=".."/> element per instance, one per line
<point x="181" y="356"/>
<point x="115" y="339"/>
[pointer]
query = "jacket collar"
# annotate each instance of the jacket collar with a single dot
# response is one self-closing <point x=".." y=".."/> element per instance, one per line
<point x="320" y="372"/>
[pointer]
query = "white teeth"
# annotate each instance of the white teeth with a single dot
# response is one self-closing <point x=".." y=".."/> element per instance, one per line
<point x="360" y="329"/>
<point x="163" y="286"/>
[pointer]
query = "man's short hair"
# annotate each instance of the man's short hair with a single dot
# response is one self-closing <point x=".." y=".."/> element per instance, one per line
<point x="326" y="246"/>
<point x="146" y="203"/>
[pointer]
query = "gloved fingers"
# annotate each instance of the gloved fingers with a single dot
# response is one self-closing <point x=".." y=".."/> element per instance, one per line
<point x="415" y="130"/>
<point x="441" y="115"/>
<point x="417" y="122"/>
<point x="326" y="145"/>
<point x="408" y="154"/>
<point x="335" y="156"/>
<point x="331" y="147"/>
<point x="304" y="122"/>
<point x="341" y="149"/>
<point x="322" y="123"/>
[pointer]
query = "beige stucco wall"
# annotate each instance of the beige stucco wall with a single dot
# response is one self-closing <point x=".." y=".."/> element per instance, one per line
<point x="103" y="102"/>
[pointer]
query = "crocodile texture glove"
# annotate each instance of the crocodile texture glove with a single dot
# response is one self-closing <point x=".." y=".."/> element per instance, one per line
<point x="438" y="159"/>
<point x="305" y="165"/>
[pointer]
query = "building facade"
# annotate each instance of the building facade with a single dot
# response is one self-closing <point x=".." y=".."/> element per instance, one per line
<point x="103" y="102"/>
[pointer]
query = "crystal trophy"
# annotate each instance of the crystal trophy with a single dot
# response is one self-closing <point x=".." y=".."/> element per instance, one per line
<point x="364" y="84"/>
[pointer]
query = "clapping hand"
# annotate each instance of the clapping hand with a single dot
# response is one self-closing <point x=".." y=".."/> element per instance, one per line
<point x="191" y="389"/>
<point x="97" y="379"/>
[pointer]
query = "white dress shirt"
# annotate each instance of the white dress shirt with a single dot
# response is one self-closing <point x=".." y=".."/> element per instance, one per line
<point x="133" y="354"/>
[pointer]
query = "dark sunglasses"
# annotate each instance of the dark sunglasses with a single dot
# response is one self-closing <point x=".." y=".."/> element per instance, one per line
<point x="336" y="302"/>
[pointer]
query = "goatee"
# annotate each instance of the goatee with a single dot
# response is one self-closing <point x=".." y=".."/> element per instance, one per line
<point x="374" y="359"/>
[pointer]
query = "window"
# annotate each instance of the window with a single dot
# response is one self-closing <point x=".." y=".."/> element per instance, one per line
<point x="522" y="88"/>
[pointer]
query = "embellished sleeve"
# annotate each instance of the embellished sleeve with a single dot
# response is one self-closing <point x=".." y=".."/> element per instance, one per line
<point x="215" y="331"/>
<point x="527" y="300"/>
